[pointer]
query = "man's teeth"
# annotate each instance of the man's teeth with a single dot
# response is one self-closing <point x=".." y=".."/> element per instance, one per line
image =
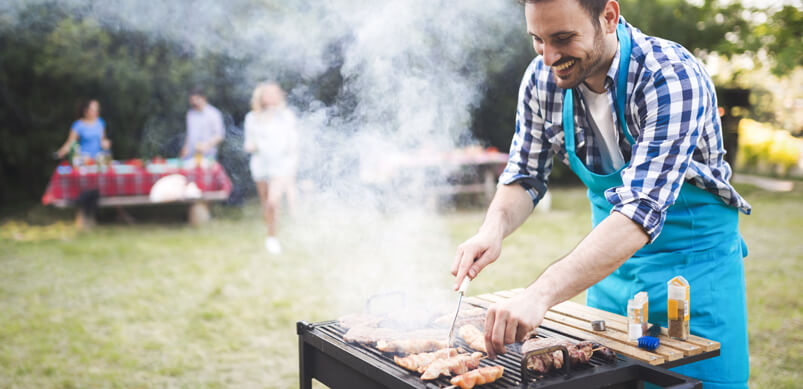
<point x="564" y="65"/>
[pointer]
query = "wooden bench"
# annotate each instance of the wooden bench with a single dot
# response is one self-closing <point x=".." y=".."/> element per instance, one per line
<point x="198" y="212"/>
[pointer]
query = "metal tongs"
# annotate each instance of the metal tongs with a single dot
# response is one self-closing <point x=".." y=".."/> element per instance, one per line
<point x="460" y="292"/>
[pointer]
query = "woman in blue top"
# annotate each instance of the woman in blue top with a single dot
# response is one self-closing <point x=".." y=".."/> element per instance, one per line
<point x="89" y="131"/>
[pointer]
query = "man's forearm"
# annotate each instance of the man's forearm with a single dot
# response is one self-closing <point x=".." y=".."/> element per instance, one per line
<point x="608" y="245"/>
<point x="510" y="207"/>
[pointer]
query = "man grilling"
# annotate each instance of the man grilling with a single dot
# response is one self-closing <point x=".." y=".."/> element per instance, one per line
<point x="635" y="117"/>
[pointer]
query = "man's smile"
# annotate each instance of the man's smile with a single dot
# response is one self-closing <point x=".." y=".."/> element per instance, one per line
<point x="565" y="67"/>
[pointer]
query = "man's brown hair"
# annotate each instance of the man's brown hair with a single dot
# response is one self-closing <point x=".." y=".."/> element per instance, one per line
<point x="593" y="7"/>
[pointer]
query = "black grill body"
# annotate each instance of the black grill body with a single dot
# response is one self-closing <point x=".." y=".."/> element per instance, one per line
<point x="324" y="355"/>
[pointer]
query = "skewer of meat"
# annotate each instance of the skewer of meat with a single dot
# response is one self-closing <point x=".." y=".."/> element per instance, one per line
<point x="603" y="352"/>
<point x="419" y="362"/>
<point x="459" y="364"/>
<point x="481" y="376"/>
<point x="578" y="353"/>
<point x="544" y="363"/>
<point x="473" y="337"/>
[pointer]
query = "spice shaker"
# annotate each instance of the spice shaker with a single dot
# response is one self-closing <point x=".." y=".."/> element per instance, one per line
<point x="678" y="308"/>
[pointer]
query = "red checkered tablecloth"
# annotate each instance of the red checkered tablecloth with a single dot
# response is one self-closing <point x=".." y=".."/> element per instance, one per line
<point x="67" y="183"/>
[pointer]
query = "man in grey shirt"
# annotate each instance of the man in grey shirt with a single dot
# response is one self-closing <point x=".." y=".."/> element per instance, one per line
<point x="205" y="128"/>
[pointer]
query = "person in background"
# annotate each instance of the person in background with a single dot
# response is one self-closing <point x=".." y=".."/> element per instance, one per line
<point x="205" y="128"/>
<point x="89" y="131"/>
<point x="271" y="137"/>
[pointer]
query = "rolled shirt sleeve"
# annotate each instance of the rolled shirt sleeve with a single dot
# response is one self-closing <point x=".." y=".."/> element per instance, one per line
<point x="670" y="108"/>
<point x="530" y="159"/>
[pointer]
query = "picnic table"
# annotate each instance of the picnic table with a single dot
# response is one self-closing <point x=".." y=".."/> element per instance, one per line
<point x="129" y="183"/>
<point x="468" y="170"/>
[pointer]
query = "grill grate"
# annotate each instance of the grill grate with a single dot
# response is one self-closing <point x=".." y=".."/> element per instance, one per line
<point x="510" y="360"/>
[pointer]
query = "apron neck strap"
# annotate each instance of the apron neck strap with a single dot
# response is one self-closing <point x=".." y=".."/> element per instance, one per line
<point x="625" y="48"/>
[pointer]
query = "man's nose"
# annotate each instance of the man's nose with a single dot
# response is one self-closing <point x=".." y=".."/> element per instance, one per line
<point x="550" y="55"/>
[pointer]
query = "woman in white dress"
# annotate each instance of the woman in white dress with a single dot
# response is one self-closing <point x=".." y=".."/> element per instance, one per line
<point x="271" y="137"/>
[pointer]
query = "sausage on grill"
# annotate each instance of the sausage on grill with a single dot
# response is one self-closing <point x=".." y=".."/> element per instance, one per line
<point x="481" y="376"/>
<point x="459" y="364"/>
<point x="419" y="362"/>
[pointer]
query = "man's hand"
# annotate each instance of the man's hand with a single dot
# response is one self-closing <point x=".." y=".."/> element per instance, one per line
<point x="511" y="320"/>
<point x="105" y="144"/>
<point x="474" y="254"/>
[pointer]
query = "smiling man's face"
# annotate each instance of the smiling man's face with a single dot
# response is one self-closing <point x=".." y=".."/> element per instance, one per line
<point x="565" y="35"/>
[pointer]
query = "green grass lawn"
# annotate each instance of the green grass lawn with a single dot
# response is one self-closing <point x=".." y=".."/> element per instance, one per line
<point x="166" y="305"/>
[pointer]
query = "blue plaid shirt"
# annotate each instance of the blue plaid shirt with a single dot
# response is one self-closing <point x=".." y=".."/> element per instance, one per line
<point x="671" y="112"/>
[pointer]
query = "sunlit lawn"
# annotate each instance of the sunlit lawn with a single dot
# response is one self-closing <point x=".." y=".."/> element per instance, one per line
<point x="166" y="305"/>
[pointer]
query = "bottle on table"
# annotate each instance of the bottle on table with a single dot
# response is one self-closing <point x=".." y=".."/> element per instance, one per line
<point x="678" y="308"/>
<point x="637" y="315"/>
<point x="75" y="154"/>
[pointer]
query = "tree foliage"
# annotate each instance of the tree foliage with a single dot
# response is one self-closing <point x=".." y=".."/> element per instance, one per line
<point x="727" y="28"/>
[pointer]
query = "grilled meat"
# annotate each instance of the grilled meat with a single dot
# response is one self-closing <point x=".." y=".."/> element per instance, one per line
<point x="389" y="337"/>
<point x="419" y="362"/>
<point x="414" y="342"/>
<point x="603" y="352"/>
<point x="369" y="335"/>
<point x="459" y="364"/>
<point x="544" y="363"/>
<point x="469" y="314"/>
<point x="411" y="346"/>
<point x="481" y="376"/>
<point x="473" y="337"/>
<point x="359" y="320"/>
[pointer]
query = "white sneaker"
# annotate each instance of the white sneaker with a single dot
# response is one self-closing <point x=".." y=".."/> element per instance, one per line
<point x="272" y="245"/>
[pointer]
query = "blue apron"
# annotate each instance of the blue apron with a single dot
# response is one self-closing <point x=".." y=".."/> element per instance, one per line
<point x="700" y="240"/>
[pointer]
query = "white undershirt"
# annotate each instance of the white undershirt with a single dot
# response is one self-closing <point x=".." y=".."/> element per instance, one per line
<point x="600" y="109"/>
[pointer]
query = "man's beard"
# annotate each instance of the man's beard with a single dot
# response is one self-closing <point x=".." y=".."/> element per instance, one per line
<point x="587" y="66"/>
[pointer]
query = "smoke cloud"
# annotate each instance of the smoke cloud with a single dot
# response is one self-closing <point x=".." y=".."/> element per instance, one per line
<point x="412" y="71"/>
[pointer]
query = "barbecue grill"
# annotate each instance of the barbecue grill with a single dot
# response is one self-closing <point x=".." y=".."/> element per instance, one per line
<point x="324" y="355"/>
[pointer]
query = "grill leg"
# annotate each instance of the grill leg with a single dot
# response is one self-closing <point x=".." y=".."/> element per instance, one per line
<point x="304" y="375"/>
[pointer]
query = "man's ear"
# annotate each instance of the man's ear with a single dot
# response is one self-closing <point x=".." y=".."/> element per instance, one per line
<point x="610" y="16"/>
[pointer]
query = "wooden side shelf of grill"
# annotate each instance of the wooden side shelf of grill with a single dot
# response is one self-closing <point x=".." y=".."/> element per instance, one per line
<point x="574" y="319"/>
